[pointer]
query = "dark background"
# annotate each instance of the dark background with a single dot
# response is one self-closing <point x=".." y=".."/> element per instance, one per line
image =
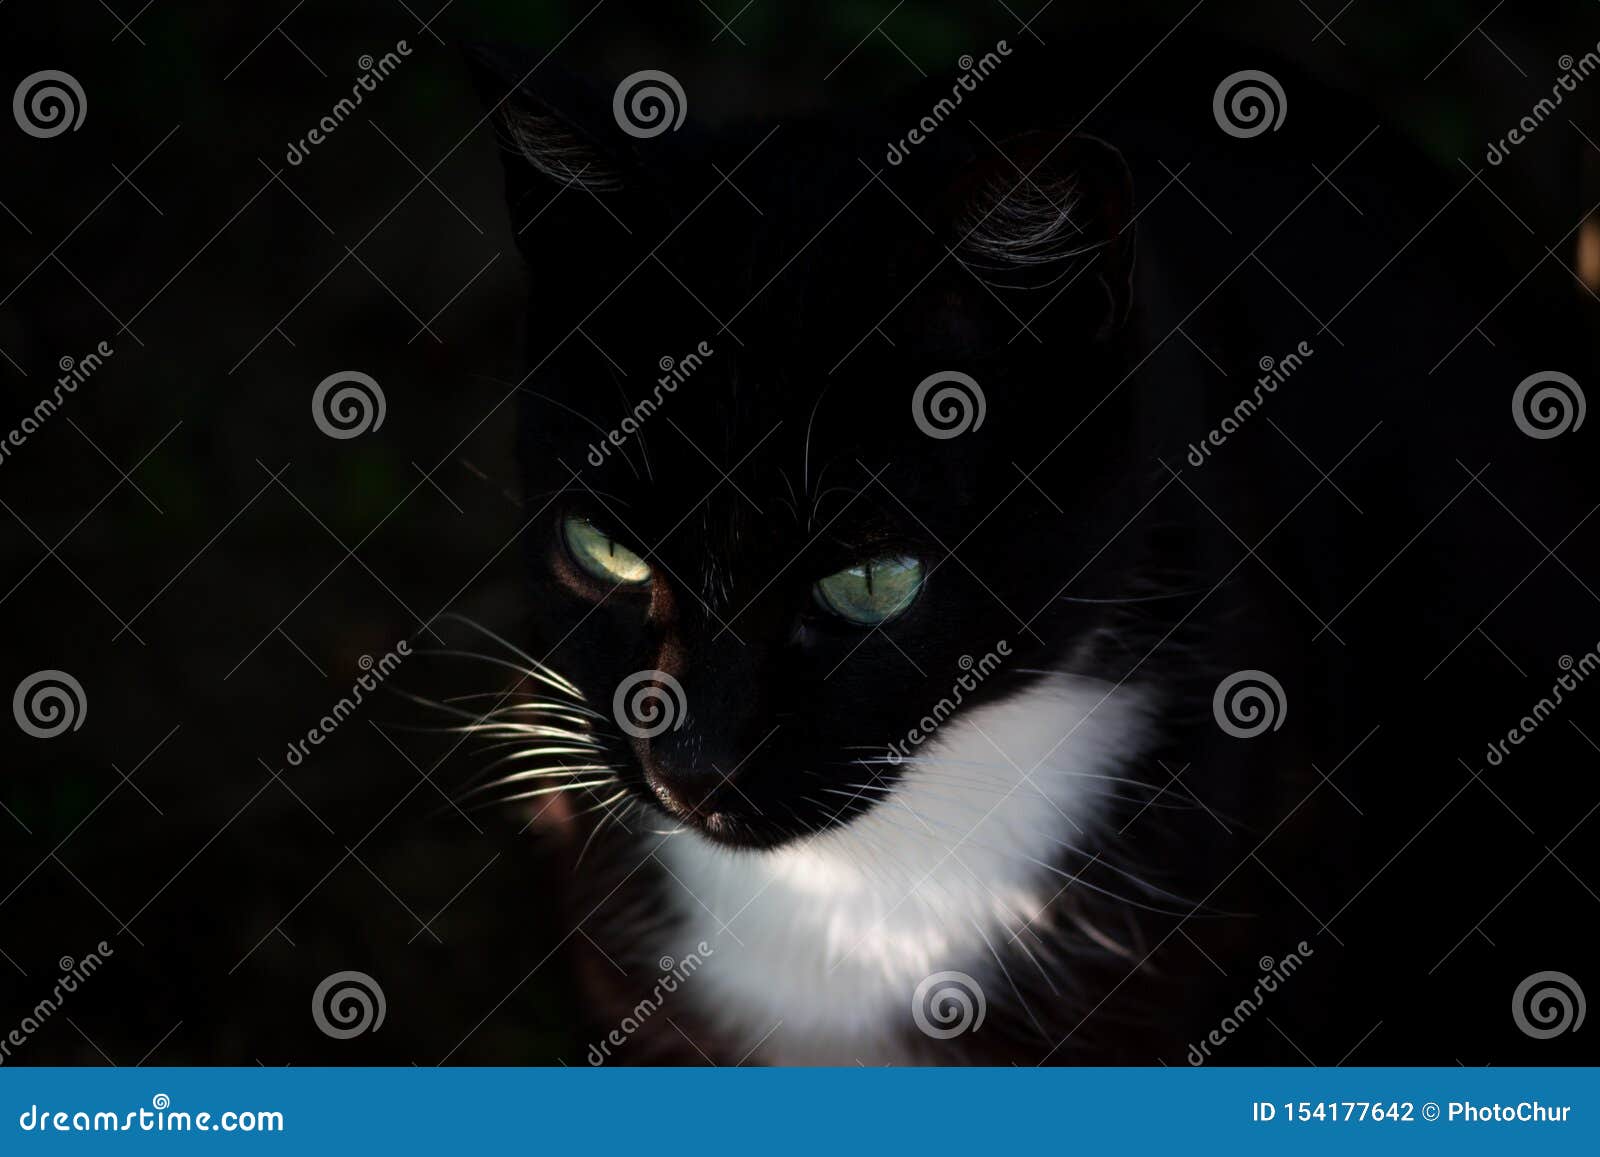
<point x="211" y="568"/>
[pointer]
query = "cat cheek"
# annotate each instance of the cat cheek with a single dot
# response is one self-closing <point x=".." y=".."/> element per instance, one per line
<point x="574" y="578"/>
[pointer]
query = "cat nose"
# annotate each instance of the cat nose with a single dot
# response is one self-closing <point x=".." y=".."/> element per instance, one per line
<point x="718" y="690"/>
<point x="684" y="770"/>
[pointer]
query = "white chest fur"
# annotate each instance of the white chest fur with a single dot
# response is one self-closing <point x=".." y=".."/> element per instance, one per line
<point x="822" y="944"/>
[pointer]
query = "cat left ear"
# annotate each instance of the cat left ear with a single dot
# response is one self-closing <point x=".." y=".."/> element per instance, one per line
<point x="558" y="137"/>
<point x="1050" y="220"/>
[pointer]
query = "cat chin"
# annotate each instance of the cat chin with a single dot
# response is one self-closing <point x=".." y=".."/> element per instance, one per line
<point x="723" y="830"/>
<point x="730" y="829"/>
<point x="831" y="935"/>
<point x="733" y="832"/>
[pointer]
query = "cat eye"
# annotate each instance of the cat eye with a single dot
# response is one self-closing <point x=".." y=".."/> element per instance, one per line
<point x="873" y="592"/>
<point x="601" y="555"/>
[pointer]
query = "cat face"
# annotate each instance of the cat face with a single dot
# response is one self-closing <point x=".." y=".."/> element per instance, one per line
<point x="788" y="434"/>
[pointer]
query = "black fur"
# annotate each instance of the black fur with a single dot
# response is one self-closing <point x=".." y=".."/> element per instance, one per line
<point x="828" y="283"/>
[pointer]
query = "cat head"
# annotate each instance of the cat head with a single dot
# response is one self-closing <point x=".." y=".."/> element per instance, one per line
<point x="795" y="429"/>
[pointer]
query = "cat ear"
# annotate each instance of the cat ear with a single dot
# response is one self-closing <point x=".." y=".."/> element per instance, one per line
<point x="583" y="203"/>
<point x="559" y="143"/>
<point x="1048" y="223"/>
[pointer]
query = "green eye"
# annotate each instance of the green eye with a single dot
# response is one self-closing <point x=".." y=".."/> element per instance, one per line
<point x="601" y="555"/>
<point x="873" y="592"/>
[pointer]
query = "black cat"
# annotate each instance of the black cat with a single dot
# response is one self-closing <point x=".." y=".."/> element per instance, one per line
<point x="959" y="633"/>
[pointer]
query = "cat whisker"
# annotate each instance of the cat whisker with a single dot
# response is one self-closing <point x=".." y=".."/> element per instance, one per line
<point x="544" y="675"/>
<point x="1075" y="877"/>
<point x="965" y="837"/>
<point x="589" y="749"/>
<point x="1123" y="601"/>
<point x="611" y="814"/>
<point x="628" y="409"/>
<point x="940" y="769"/>
<point x="568" y="771"/>
<point x="582" y="417"/>
<point x="544" y="791"/>
<point x="982" y="791"/>
<point x="573" y="714"/>
<point x="520" y="747"/>
<point x="535" y="666"/>
<point x="512" y="708"/>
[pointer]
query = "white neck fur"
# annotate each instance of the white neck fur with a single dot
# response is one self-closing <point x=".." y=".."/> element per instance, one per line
<point x="832" y="935"/>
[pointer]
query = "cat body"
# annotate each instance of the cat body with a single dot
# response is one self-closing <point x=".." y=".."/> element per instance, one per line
<point x="872" y="854"/>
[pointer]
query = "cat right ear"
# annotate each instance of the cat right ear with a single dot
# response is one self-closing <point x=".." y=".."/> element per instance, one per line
<point x="1048" y="220"/>
<point x="573" y="179"/>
